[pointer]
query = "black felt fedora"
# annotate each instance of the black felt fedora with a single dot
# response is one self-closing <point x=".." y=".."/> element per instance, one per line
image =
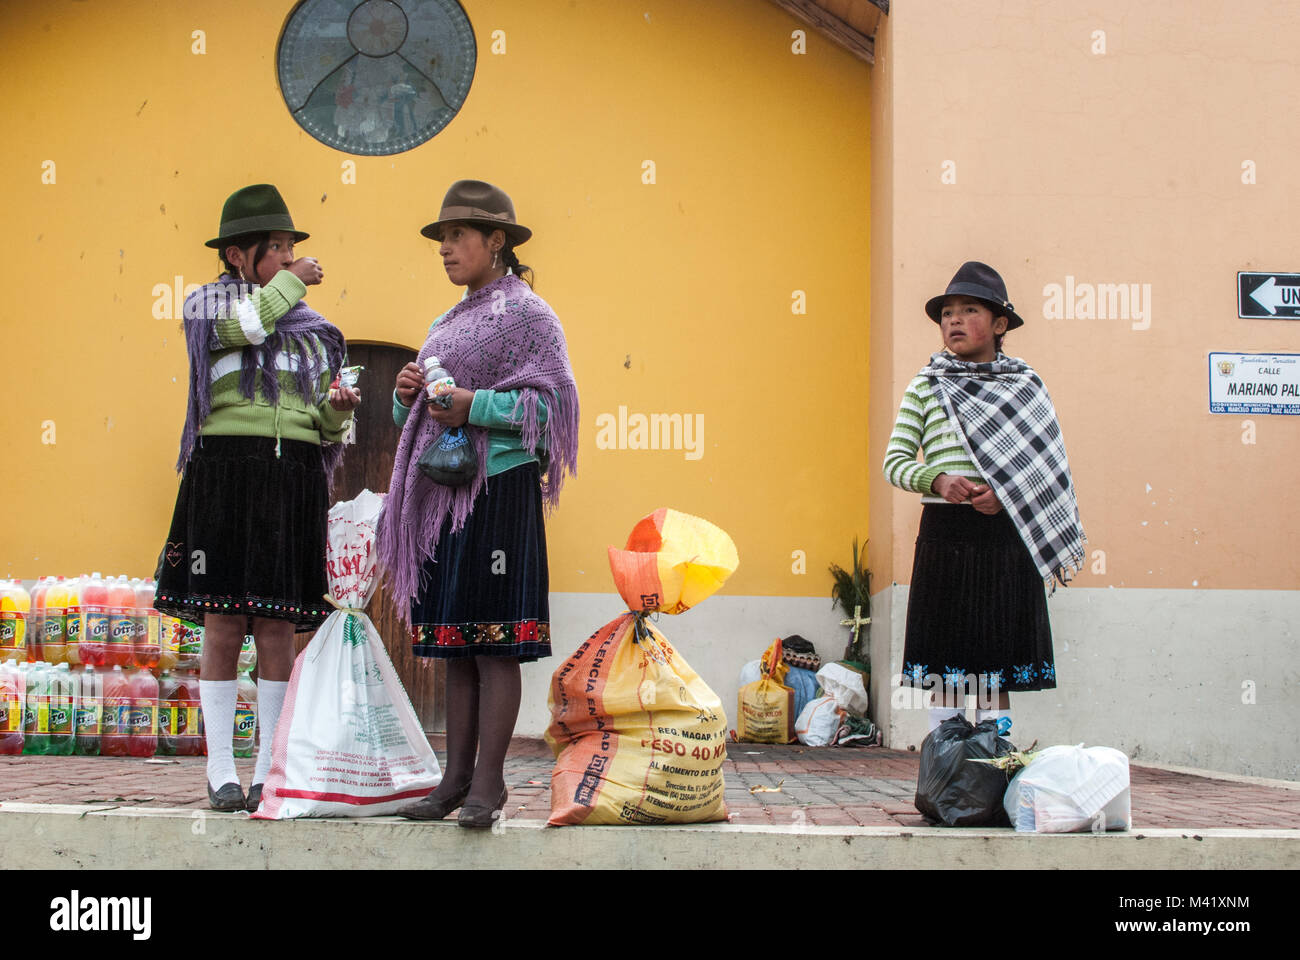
<point x="255" y="209"/>
<point x="473" y="201"/>
<point x="978" y="280"/>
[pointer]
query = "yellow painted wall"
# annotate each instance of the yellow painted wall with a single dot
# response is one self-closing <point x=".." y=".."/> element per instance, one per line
<point x="762" y="189"/>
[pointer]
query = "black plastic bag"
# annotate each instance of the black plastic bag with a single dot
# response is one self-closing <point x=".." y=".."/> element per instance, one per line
<point x="952" y="791"/>
<point x="450" y="460"/>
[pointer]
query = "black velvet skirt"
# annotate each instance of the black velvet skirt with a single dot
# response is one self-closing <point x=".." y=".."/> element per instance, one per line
<point x="248" y="533"/>
<point x="977" y="605"/>
<point x="486" y="590"/>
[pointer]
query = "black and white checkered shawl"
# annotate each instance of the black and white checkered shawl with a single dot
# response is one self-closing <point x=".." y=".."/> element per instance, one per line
<point x="1008" y="427"/>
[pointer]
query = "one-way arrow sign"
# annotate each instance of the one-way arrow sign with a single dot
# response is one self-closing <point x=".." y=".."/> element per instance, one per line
<point x="1271" y="295"/>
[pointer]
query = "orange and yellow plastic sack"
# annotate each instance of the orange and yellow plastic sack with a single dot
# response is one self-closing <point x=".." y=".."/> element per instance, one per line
<point x="638" y="736"/>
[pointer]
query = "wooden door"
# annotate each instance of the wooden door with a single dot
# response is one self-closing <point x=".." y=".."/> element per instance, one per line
<point x="369" y="464"/>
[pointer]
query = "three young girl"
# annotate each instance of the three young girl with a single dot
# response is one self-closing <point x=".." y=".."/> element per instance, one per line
<point x="262" y="436"/>
<point x="1000" y="519"/>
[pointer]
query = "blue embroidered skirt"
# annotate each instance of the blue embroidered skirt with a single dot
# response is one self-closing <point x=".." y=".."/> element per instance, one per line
<point x="977" y="604"/>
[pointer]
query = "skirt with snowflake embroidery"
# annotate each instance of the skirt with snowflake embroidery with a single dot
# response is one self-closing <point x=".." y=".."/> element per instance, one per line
<point x="977" y="606"/>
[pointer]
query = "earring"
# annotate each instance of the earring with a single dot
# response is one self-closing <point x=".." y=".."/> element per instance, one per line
<point x="494" y="259"/>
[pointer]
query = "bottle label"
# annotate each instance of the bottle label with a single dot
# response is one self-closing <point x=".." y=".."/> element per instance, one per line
<point x="42" y="714"/>
<point x="96" y="626"/>
<point x="53" y="626"/>
<point x="189" y="638"/>
<point x="121" y="630"/>
<point x="61" y="716"/>
<point x="153" y="629"/>
<point x="245" y="721"/>
<point x="13" y="630"/>
<point x="11" y="714"/>
<point x="88" y="717"/>
<point x="115" y="717"/>
<point x="73" y="625"/>
<point x="143" y="720"/>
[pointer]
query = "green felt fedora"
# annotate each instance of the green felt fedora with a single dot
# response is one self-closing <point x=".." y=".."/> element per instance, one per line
<point x="255" y="209"/>
<point x="479" y="203"/>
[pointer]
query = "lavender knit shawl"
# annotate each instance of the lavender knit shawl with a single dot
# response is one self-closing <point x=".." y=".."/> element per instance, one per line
<point x="296" y="334"/>
<point x="501" y="337"/>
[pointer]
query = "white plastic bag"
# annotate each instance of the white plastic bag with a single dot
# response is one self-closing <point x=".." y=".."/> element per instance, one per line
<point x="845" y="686"/>
<point x="348" y="743"/>
<point x="1070" y="790"/>
<point x="818" y="722"/>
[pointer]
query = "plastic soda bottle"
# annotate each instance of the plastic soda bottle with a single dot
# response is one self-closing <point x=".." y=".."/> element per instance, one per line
<point x="73" y="620"/>
<point x="36" y="620"/>
<point x="90" y="709"/>
<point x="15" y="605"/>
<point x="36" y="710"/>
<point x="180" y="715"/>
<point x="169" y="652"/>
<point x="143" y="722"/>
<point x="62" y="708"/>
<point x="189" y="645"/>
<point x="170" y="717"/>
<point x="95" y="616"/>
<point x="52" y="642"/>
<point x="148" y="647"/>
<point x="11" y="709"/>
<point x="245" y="716"/>
<point x="114" y="730"/>
<point x="119" y="645"/>
<point x="247" y="655"/>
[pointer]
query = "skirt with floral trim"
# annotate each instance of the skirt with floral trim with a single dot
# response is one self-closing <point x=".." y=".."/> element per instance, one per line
<point x="486" y="590"/>
<point x="977" y="605"/>
<point x="248" y="533"/>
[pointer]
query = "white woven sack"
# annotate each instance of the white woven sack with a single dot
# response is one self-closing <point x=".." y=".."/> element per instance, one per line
<point x="845" y="686"/>
<point x="348" y="743"/>
<point x="818" y="722"/>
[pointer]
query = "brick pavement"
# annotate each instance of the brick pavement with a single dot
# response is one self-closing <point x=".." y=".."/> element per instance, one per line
<point x="822" y="786"/>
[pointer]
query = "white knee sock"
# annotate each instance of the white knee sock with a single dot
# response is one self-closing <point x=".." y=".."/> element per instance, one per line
<point x="939" y="714"/>
<point x="270" y="698"/>
<point x="218" y="699"/>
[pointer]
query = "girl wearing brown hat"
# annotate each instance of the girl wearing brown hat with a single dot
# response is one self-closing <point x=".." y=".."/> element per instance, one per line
<point x="262" y="437"/>
<point x="470" y="560"/>
<point x="1000" y="520"/>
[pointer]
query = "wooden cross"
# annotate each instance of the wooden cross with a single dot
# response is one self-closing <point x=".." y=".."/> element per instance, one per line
<point x="857" y="622"/>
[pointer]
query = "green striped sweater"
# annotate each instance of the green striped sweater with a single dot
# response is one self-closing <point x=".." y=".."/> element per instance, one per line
<point x="923" y="425"/>
<point x="252" y="320"/>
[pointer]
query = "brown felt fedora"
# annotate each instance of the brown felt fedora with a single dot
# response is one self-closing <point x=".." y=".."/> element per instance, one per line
<point x="479" y="203"/>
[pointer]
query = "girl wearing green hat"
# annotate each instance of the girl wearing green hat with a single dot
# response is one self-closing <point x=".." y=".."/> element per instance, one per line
<point x="263" y="435"/>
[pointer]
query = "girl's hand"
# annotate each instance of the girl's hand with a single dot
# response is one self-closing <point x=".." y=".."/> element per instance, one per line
<point x="954" y="489"/>
<point x="410" y="381"/>
<point x="345" y="398"/>
<point x="985" y="500"/>
<point x="307" y="270"/>
<point x="458" y="415"/>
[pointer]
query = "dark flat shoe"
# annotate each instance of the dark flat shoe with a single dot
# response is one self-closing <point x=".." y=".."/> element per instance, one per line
<point x="433" y="808"/>
<point x="254" y="797"/>
<point x="228" y="799"/>
<point x="479" y="817"/>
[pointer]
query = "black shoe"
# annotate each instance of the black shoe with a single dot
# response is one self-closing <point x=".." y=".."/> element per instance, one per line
<point x="254" y="797"/>
<point x="433" y="808"/>
<point x="479" y="817"/>
<point x="228" y="799"/>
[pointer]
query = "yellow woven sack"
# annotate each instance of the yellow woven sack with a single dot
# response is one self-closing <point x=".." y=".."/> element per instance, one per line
<point x="638" y="737"/>
<point x="765" y="711"/>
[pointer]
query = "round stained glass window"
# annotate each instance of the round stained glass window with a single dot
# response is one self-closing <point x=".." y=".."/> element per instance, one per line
<point x="375" y="77"/>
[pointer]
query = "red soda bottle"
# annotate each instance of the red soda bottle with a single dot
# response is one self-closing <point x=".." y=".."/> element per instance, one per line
<point x="119" y="648"/>
<point x="143" y="734"/>
<point x="95" y="618"/>
<point x="114" y="731"/>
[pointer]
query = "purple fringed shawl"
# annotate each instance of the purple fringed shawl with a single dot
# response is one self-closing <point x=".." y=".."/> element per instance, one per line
<point x="293" y="335"/>
<point x="501" y="337"/>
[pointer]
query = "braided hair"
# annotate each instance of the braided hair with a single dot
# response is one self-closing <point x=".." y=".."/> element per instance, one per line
<point x="508" y="256"/>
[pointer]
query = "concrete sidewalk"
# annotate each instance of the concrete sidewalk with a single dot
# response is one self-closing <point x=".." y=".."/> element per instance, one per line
<point x="827" y="796"/>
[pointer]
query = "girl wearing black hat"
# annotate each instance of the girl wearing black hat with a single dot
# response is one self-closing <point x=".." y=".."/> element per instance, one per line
<point x="262" y="436"/>
<point x="1000" y="521"/>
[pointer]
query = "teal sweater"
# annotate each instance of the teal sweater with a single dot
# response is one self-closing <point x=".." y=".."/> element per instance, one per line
<point x="923" y="425"/>
<point x="493" y="410"/>
<point x="295" y="417"/>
